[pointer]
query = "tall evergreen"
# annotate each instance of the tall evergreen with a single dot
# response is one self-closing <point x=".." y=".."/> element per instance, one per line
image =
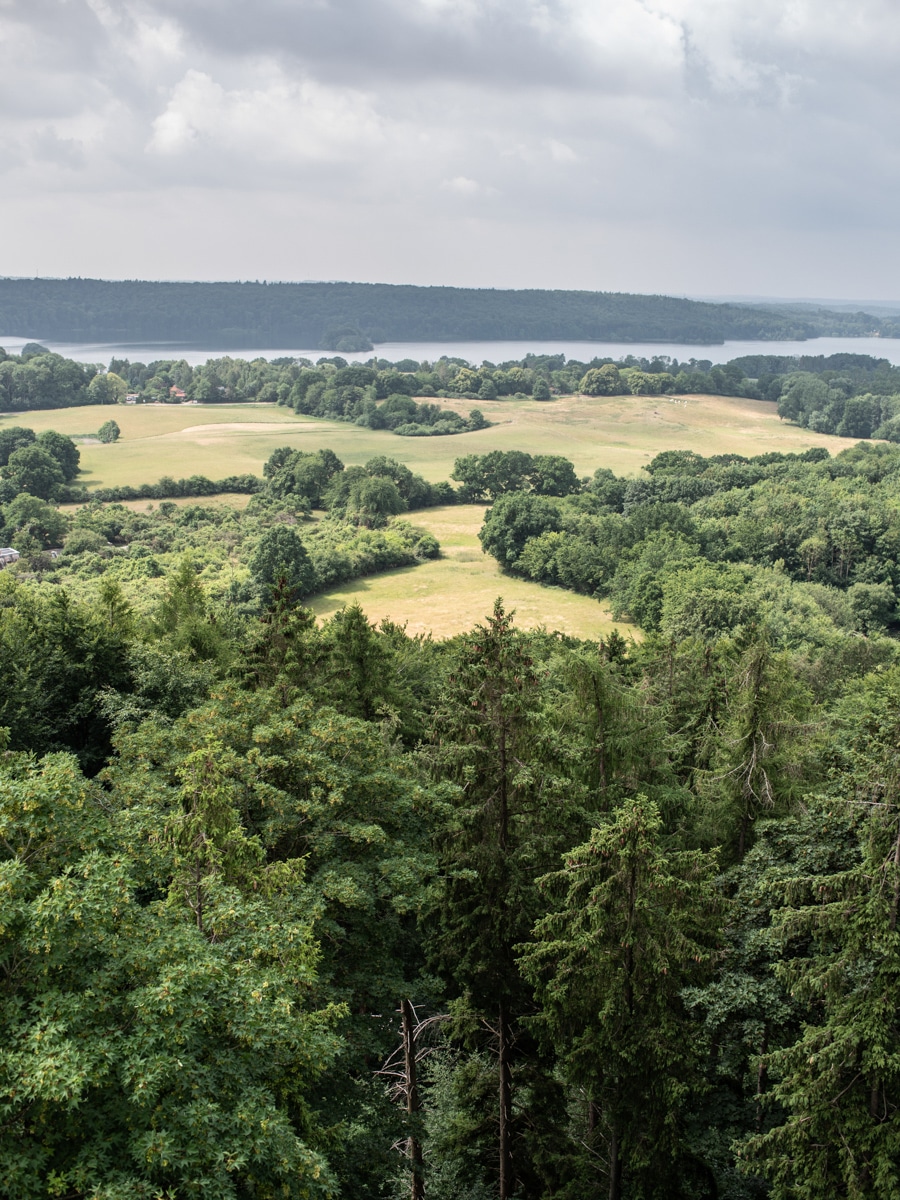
<point x="839" y="1082"/>
<point x="633" y="924"/>
<point x="507" y="818"/>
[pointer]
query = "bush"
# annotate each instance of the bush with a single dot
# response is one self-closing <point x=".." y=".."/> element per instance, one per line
<point x="84" y="541"/>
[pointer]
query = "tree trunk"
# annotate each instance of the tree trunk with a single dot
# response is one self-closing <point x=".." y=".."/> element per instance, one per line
<point x="615" y="1164"/>
<point x="414" y="1150"/>
<point x="505" y="1142"/>
<point x="895" y="903"/>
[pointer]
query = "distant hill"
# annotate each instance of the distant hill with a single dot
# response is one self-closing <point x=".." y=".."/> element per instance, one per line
<point x="351" y="316"/>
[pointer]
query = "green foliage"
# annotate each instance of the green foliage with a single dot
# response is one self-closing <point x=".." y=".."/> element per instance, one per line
<point x="296" y="472"/>
<point x="281" y="558"/>
<point x="183" y="616"/>
<point x="107" y="388"/>
<point x="109" y="431"/>
<point x="747" y="1010"/>
<point x="279" y="830"/>
<point x="346" y="316"/>
<point x="145" y="1054"/>
<point x="709" y="547"/>
<point x="839" y="1082"/>
<point x="603" y="381"/>
<point x="12" y="438"/>
<point x="489" y="476"/>
<point x="371" y="500"/>
<point x="39" y="379"/>
<point x="57" y="657"/>
<point x="505" y="821"/>
<point x="319" y="480"/>
<point x="28" y="520"/>
<point x="34" y="470"/>
<point x="63" y="449"/>
<point x="513" y="520"/>
<point x="635" y="924"/>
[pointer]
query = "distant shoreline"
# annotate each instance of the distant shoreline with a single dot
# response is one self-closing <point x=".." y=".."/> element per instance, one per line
<point x="356" y="317"/>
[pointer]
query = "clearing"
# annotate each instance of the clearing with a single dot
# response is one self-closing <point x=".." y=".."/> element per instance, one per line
<point x="449" y="595"/>
<point x="452" y="593"/>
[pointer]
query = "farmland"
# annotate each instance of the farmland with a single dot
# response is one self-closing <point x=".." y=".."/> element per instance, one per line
<point x="620" y="432"/>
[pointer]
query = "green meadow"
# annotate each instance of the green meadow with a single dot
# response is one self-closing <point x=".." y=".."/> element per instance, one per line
<point x="448" y="595"/>
<point x="620" y="432"/>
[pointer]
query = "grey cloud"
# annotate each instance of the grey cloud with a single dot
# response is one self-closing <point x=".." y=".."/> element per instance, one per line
<point x="366" y="40"/>
<point x="637" y="131"/>
<point x="63" y="152"/>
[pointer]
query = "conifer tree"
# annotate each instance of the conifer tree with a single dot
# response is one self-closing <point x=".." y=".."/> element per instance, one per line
<point x="509" y="820"/>
<point x="635" y="924"/>
<point x="759" y="742"/>
<point x="839" y="1083"/>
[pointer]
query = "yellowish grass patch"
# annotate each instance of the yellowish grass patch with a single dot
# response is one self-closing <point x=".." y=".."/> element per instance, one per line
<point x="620" y="432"/>
<point x="450" y="595"/>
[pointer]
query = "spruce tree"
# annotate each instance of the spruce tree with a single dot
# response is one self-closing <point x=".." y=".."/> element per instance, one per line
<point x="507" y="822"/>
<point x="635" y="924"/>
<point x="839" y="1082"/>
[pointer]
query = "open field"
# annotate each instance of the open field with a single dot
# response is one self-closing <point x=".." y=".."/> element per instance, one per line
<point x="621" y="432"/>
<point x="451" y="594"/>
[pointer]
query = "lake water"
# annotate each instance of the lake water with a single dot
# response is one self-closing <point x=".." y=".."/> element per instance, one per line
<point x="476" y="352"/>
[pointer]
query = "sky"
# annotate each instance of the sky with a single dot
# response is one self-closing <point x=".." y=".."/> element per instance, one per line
<point x="695" y="147"/>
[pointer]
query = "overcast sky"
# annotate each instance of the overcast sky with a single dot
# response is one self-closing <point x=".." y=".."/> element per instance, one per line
<point x="686" y="146"/>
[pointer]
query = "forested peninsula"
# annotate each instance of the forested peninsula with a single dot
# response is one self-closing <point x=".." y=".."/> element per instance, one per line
<point x="353" y="316"/>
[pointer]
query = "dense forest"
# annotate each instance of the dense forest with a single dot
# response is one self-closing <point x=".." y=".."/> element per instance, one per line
<point x="352" y="316"/>
<point x="801" y="542"/>
<point x="851" y="395"/>
<point x="325" y="910"/>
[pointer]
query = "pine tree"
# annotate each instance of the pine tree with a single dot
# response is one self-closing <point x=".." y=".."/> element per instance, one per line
<point x="839" y="1083"/>
<point x="509" y="820"/>
<point x="758" y="744"/>
<point x="635" y="925"/>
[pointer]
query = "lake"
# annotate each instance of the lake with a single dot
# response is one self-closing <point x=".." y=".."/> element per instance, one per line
<point x="477" y="352"/>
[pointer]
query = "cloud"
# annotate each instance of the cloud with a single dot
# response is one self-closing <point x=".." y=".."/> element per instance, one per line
<point x="560" y="152"/>
<point x="460" y="185"/>
<point x="618" y="135"/>
<point x="294" y="121"/>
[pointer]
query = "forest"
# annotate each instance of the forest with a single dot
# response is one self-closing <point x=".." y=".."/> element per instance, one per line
<point x="802" y="542"/>
<point x="307" y="910"/>
<point x="352" y="316"/>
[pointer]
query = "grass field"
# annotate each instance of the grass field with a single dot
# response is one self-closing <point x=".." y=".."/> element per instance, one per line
<point x="449" y="595"/>
<point x="621" y="432"/>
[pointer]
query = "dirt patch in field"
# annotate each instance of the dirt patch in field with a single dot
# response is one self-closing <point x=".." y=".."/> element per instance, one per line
<point x="245" y="427"/>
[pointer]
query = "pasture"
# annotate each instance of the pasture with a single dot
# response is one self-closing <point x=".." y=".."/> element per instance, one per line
<point x="620" y="432"/>
<point x="449" y="595"/>
<point x="452" y="593"/>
